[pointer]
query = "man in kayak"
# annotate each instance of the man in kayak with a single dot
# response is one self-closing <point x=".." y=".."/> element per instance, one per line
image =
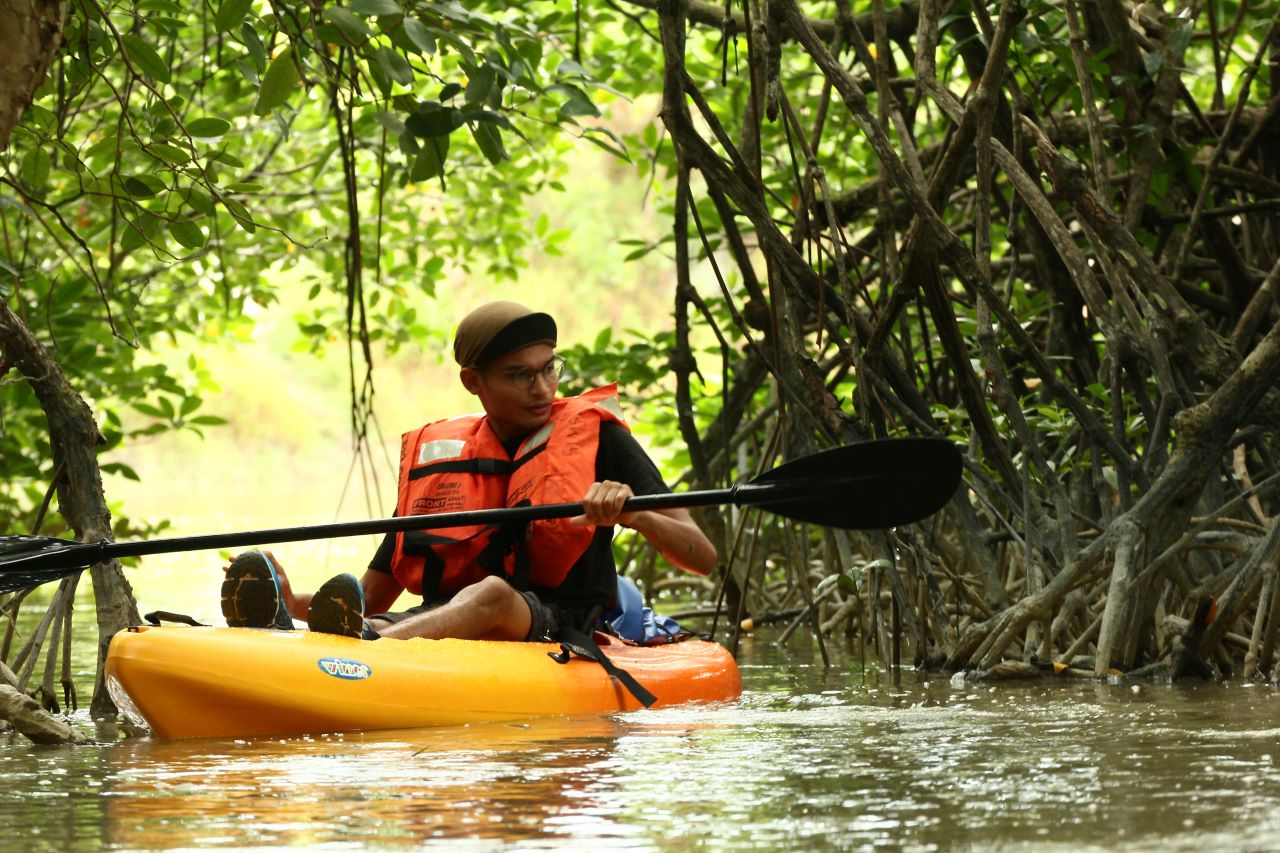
<point x="503" y="583"/>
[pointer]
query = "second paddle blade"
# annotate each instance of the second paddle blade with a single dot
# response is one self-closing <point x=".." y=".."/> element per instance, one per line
<point x="868" y="485"/>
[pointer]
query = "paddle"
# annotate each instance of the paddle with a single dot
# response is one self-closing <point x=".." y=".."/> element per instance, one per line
<point x="863" y="486"/>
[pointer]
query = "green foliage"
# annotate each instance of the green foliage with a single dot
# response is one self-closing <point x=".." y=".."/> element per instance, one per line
<point x="180" y="157"/>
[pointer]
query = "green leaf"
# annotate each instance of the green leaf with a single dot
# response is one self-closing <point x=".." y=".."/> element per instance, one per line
<point x="471" y="114"/>
<point x="146" y="59"/>
<point x="230" y="13"/>
<point x="170" y="24"/>
<point x="392" y="122"/>
<point x="148" y="409"/>
<point x="480" y="84"/>
<point x="577" y="103"/>
<point x="208" y="127"/>
<point x="464" y="50"/>
<point x="189" y="405"/>
<point x="354" y="30"/>
<point x="41" y="118"/>
<point x="489" y="138"/>
<point x="278" y="83"/>
<point x="1181" y="37"/>
<point x="432" y="121"/>
<point x="187" y="233"/>
<point x="395" y="65"/>
<point x="568" y="67"/>
<point x="430" y="160"/>
<point x="122" y="469"/>
<point x="143" y="186"/>
<point x="253" y="43"/>
<point x="420" y="36"/>
<point x="618" y="148"/>
<point x="229" y="159"/>
<point x="171" y="154"/>
<point x="36" y="166"/>
<point x="240" y="213"/>
<point x="371" y="8"/>
<point x="381" y="79"/>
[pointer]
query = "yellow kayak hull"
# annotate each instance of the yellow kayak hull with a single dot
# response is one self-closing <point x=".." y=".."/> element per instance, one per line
<point x="241" y="682"/>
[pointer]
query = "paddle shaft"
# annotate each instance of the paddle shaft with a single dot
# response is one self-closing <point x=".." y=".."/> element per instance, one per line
<point x="88" y="553"/>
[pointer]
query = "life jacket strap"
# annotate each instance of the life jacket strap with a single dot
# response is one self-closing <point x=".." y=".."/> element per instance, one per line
<point x="474" y="465"/>
<point x="417" y="543"/>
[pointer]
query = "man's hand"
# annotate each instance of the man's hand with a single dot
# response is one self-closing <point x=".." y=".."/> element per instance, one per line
<point x="602" y="505"/>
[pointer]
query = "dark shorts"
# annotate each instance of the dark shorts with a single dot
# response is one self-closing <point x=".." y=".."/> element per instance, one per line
<point x="545" y="617"/>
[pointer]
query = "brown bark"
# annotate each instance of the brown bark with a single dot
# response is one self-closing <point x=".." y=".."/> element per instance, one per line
<point x="30" y="34"/>
<point x="1160" y="320"/>
<point x="33" y="722"/>
<point x="74" y="438"/>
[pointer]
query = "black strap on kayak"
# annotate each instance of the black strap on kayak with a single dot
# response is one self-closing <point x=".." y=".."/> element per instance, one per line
<point x="157" y="616"/>
<point x="575" y="642"/>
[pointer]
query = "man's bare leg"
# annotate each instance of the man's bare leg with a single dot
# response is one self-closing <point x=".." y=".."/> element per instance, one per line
<point x="488" y="610"/>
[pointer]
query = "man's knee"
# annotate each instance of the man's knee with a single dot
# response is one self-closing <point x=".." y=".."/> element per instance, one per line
<point x="493" y="595"/>
<point x="491" y="590"/>
<point x="498" y="607"/>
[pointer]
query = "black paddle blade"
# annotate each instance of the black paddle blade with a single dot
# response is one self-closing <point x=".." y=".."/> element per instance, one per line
<point x="33" y="560"/>
<point x="865" y="486"/>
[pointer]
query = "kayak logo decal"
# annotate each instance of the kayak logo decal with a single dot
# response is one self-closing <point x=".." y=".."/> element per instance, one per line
<point x="348" y="670"/>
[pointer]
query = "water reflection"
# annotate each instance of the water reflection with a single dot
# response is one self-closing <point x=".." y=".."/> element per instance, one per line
<point x="499" y="782"/>
<point x="808" y="758"/>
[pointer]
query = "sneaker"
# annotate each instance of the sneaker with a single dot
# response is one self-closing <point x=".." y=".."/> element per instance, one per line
<point x="251" y="594"/>
<point x="338" y="608"/>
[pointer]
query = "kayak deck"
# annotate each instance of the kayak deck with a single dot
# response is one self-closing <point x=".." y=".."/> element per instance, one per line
<point x="242" y="682"/>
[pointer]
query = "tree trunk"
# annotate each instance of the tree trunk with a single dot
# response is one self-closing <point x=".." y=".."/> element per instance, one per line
<point x="74" y="438"/>
<point x="30" y="34"/>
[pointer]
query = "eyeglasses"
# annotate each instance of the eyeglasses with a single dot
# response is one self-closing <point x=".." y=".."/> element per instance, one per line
<point x="525" y="377"/>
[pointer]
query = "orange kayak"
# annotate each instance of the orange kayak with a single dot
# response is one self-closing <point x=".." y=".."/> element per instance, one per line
<point x="241" y="682"/>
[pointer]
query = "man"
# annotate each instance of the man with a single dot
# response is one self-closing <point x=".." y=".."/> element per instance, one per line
<point x="528" y="447"/>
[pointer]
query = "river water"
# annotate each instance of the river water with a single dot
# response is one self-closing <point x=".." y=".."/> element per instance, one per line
<point x="808" y="758"/>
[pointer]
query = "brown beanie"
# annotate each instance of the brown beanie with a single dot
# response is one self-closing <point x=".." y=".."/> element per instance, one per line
<point x="497" y="328"/>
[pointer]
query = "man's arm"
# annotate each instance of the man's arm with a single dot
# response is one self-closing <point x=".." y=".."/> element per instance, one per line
<point x="677" y="537"/>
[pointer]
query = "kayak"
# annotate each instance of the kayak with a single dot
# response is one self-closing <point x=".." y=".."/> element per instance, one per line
<point x="186" y="682"/>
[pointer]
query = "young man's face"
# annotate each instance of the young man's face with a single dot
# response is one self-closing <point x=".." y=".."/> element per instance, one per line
<point x="516" y="390"/>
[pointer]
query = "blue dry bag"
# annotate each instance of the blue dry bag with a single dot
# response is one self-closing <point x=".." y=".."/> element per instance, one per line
<point x="631" y="620"/>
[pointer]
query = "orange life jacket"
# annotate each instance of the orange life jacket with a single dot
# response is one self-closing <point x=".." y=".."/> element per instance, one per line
<point x="459" y="464"/>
